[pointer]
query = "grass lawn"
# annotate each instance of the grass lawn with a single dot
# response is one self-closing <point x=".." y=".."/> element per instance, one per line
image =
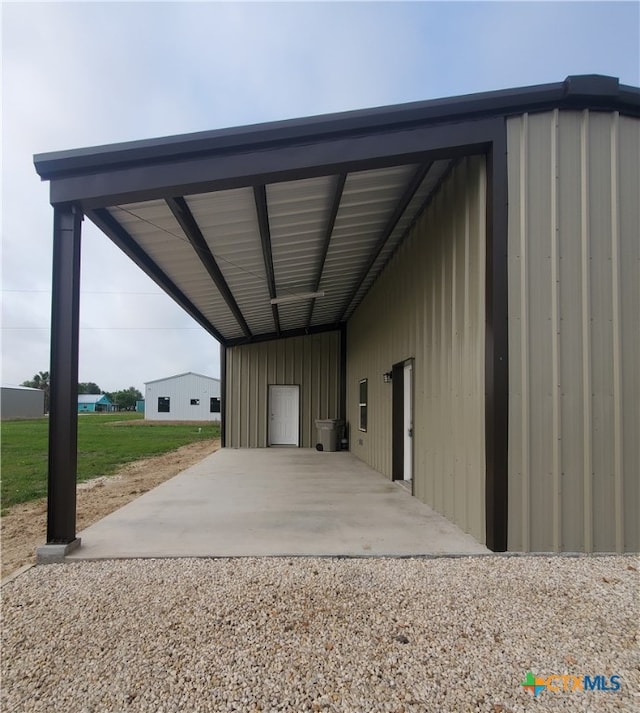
<point x="105" y="442"/>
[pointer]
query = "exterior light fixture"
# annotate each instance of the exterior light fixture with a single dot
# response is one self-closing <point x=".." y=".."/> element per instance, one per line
<point x="387" y="376"/>
<point x="299" y="297"/>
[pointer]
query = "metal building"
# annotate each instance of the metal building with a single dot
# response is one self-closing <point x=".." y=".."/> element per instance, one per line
<point x="183" y="397"/>
<point x="95" y="403"/>
<point x="21" y="402"/>
<point x="457" y="279"/>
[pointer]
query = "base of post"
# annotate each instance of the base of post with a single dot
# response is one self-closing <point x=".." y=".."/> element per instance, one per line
<point x="50" y="553"/>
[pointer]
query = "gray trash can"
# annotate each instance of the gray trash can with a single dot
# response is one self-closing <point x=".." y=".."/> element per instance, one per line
<point x="329" y="431"/>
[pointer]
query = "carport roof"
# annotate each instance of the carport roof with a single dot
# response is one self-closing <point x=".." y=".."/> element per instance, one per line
<point x="278" y="229"/>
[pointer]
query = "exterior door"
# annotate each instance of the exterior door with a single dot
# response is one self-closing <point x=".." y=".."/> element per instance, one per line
<point x="402" y="421"/>
<point x="284" y="415"/>
<point x="408" y="420"/>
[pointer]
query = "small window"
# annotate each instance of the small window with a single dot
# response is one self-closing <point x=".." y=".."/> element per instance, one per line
<point x="214" y="405"/>
<point x="363" y="404"/>
<point x="164" y="404"/>
<point x="195" y="402"/>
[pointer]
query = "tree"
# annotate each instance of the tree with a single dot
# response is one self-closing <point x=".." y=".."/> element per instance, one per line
<point x="40" y="381"/>
<point x="89" y="387"/>
<point x="126" y="398"/>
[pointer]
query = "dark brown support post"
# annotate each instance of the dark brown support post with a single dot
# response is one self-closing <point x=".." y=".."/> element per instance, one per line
<point x="63" y="411"/>
<point x="223" y="395"/>
<point x="497" y="346"/>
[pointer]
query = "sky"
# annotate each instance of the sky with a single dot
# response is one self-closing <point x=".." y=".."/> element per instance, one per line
<point x="84" y="74"/>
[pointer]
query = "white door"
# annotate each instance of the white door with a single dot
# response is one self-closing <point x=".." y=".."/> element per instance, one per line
<point x="408" y="420"/>
<point x="284" y="426"/>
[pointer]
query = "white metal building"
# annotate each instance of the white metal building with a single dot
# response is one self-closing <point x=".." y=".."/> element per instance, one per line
<point x="183" y="397"/>
<point x="21" y="402"/>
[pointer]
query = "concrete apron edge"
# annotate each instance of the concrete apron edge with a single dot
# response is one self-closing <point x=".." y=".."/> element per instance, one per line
<point x="425" y="556"/>
<point x="561" y="555"/>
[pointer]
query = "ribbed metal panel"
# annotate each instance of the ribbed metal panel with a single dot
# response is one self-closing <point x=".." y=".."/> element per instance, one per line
<point x="428" y="304"/>
<point x="368" y="200"/>
<point x="429" y="183"/>
<point x="312" y="362"/>
<point x="155" y="229"/>
<point x="229" y="224"/>
<point x="574" y="332"/>
<point x="21" y="402"/>
<point x="294" y="316"/>
<point x="298" y="213"/>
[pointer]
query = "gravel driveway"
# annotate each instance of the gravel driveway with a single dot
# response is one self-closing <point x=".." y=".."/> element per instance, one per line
<point x="351" y="635"/>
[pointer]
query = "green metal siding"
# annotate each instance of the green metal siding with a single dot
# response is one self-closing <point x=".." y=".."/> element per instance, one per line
<point x="574" y="332"/>
<point x="312" y="362"/>
<point x="429" y="304"/>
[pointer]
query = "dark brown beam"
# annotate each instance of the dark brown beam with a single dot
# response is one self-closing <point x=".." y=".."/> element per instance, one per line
<point x="191" y="229"/>
<point x="333" y="212"/>
<point x="423" y="206"/>
<point x="284" y="334"/>
<point x="204" y="174"/>
<point x="110" y="226"/>
<point x="260" y="195"/>
<point x="63" y="409"/>
<point x="400" y="208"/>
<point x="575" y="92"/>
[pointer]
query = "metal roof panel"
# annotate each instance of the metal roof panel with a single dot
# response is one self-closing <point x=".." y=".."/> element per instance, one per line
<point x="229" y="224"/>
<point x="297" y="220"/>
<point x="156" y="231"/>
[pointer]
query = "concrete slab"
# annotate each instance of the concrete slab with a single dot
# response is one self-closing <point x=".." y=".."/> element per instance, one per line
<point x="274" y="501"/>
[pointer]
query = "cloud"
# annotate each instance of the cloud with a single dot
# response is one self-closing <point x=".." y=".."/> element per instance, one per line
<point x="82" y="74"/>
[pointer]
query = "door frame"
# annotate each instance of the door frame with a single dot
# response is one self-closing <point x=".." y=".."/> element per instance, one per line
<point x="298" y="430"/>
<point x="409" y="376"/>
<point x="397" y="420"/>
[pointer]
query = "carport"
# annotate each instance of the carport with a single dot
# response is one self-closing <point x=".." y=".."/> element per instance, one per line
<point x="287" y="241"/>
<point x="269" y="232"/>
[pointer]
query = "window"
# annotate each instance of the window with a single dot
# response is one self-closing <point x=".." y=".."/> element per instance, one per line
<point x="195" y="402"/>
<point x="363" y="404"/>
<point x="163" y="404"/>
<point x="214" y="405"/>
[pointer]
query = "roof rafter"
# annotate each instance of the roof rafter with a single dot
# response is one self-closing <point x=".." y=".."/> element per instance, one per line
<point x="400" y="208"/>
<point x="285" y="333"/>
<point x="333" y="212"/>
<point x="191" y="229"/>
<point x="421" y="209"/>
<point x="110" y="226"/>
<point x="260" y="195"/>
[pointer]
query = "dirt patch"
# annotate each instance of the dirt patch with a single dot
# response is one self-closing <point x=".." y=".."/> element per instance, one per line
<point x="24" y="527"/>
